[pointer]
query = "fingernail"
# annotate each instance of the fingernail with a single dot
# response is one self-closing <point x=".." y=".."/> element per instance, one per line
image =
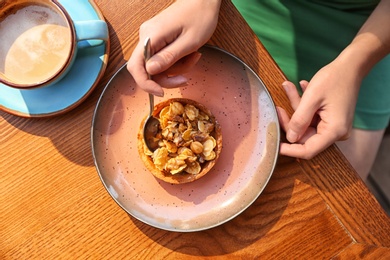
<point x="159" y="94"/>
<point x="178" y="80"/>
<point x="197" y="56"/>
<point x="292" y="136"/>
<point x="173" y="82"/>
<point x="285" y="86"/>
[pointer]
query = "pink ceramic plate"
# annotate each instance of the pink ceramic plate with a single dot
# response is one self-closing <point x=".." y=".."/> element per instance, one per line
<point x="250" y="128"/>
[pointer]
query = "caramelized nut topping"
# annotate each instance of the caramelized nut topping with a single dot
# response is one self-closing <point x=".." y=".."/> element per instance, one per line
<point x="186" y="140"/>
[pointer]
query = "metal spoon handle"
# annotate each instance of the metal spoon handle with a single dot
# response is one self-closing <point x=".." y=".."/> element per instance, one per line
<point x="151" y="103"/>
<point x="147" y="54"/>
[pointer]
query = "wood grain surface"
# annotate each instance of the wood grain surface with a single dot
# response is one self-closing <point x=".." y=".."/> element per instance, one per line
<point x="54" y="206"/>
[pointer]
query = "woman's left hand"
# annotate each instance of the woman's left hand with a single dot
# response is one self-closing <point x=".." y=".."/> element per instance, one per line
<point x="324" y="113"/>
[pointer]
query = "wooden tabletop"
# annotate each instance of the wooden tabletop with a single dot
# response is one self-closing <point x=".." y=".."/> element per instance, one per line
<point x="53" y="204"/>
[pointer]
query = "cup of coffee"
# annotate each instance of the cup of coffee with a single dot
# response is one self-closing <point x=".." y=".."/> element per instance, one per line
<point x="39" y="41"/>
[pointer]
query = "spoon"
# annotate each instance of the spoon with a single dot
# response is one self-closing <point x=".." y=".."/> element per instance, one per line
<point x="152" y="124"/>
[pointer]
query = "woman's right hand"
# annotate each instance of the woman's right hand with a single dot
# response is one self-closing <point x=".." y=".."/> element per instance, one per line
<point x="175" y="36"/>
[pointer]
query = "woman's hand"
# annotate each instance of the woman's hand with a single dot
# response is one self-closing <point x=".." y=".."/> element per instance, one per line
<point x="175" y="34"/>
<point x="324" y="113"/>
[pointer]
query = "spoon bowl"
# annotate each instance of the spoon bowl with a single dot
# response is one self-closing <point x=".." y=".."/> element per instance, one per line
<point x="151" y="127"/>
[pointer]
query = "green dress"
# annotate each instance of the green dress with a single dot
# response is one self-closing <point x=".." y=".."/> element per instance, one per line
<point x="304" y="35"/>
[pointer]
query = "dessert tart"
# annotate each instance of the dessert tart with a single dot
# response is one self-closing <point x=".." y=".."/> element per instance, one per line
<point x="189" y="138"/>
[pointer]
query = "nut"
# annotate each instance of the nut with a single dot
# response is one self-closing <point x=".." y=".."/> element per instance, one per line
<point x="196" y="147"/>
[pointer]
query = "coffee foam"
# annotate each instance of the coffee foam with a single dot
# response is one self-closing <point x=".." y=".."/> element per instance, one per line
<point x="35" y="44"/>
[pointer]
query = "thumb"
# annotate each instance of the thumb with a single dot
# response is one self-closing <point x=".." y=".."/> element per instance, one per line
<point x="167" y="56"/>
<point x="160" y="62"/>
<point x="184" y="65"/>
<point x="301" y="119"/>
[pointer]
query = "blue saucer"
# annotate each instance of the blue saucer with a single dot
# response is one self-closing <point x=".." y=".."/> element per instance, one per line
<point x="78" y="83"/>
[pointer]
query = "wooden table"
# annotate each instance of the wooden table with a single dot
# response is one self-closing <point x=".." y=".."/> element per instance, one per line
<point x="53" y="204"/>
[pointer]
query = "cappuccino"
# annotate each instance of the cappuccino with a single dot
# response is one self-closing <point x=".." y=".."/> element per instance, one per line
<point x="35" y="45"/>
